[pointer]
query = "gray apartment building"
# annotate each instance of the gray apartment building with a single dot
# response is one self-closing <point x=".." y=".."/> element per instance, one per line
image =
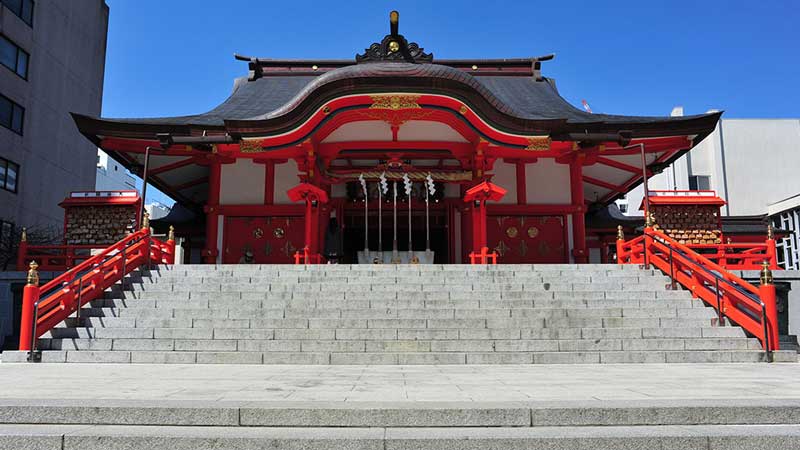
<point x="52" y="62"/>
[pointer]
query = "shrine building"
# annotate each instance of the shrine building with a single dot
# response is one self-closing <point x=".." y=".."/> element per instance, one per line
<point x="515" y="167"/>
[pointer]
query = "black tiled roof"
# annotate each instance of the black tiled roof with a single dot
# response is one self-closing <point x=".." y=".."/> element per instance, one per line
<point x="518" y="96"/>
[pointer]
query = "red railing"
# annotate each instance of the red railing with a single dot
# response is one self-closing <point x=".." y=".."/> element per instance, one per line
<point x="307" y="257"/>
<point x="744" y="256"/>
<point x="46" y="306"/>
<point x="752" y="308"/>
<point x="484" y="257"/>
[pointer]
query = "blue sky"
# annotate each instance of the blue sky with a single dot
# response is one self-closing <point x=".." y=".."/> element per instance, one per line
<point x="625" y="57"/>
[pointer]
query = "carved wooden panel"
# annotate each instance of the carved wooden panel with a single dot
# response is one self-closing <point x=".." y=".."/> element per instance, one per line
<point x="262" y="240"/>
<point x="527" y="239"/>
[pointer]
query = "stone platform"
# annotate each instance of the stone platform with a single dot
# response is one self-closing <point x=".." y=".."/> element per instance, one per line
<point x="132" y="407"/>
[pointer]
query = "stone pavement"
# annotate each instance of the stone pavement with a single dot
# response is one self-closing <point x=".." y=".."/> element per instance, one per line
<point x="512" y="383"/>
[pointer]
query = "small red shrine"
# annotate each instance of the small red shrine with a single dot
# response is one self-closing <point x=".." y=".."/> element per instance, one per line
<point x="266" y="171"/>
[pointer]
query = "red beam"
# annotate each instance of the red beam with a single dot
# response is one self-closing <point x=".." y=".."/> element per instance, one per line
<point x="171" y="166"/>
<point x="602" y="183"/>
<point x="620" y="165"/>
<point x="189" y="184"/>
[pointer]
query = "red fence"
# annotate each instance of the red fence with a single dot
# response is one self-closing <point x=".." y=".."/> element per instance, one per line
<point x="46" y="306"/>
<point x="752" y="308"/>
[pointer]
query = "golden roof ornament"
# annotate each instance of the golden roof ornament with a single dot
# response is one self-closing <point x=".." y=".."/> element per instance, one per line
<point x="33" y="274"/>
<point x="766" y="273"/>
<point x="24" y="237"/>
<point x="146" y="221"/>
<point x="620" y="233"/>
<point x="770" y="232"/>
<point x="171" y="235"/>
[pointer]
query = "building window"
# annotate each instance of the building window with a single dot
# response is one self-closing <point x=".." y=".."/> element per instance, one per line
<point x="6" y="230"/>
<point x="9" y="175"/>
<point x="22" y="8"/>
<point x="13" y="57"/>
<point x="12" y="116"/>
<point x="699" y="183"/>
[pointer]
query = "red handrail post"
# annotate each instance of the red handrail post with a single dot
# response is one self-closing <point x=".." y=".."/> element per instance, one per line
<point x="170" y="250"/>
<point x="767" y="293"/>
<point x="30" y="295"/>
<point x="620" y="245"/>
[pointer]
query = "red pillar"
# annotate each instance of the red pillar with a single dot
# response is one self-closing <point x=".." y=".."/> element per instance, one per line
<point x="767" y="293"/>
<point x="211" y="251"/>
<point x="314" y="198"/>
<point x="579" y="216"/>
<point x="477" y="197"/>
<point x="30" y="295"/>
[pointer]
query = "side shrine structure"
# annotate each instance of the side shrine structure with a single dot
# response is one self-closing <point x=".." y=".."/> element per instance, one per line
<point x="391" y="151"/>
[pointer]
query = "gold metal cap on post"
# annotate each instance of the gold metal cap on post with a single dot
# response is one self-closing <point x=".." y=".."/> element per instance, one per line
<point x="649" y="220"/>
<point x="24" y="237"/>
<point x="620" y="233"/>
<point x="171" y="235"/>
<point x="766" y="273"/>
<point x="146" y="221"/>
<point x="33" y="274"/>
<point x="770" y="232"/>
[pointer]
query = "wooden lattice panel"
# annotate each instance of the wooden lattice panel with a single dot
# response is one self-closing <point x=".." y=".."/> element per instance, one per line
<point x="689" y="224"/>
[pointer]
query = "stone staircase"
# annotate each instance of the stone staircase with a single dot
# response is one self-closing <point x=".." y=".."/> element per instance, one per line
<point x="405" y="314"/>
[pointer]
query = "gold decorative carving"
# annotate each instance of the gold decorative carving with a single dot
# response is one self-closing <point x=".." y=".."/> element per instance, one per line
<point x="250" y="146"/>
<point x="538" y="144"/>
<point x="512" y="232"/>
<point x="395" y="102"/>
<point x="394" y="46"/>
<point x="533" y="232"/>
<point x="258" y="233"/>
<point x="326" y="110"/>
<point x="414" y="260"/>
<point x="463" y="110"/>
<point x="279" y="233"/>
<point x="501" y="248"/>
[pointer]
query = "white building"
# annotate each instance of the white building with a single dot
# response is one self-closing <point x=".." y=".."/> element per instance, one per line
<point x="111" y="175"/>
<point x="157" y="210"/>
<point x="753" y="164"/>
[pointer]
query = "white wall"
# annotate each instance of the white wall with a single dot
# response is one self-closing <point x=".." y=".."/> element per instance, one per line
<point x="505" y="176"/>
<point x="285" y="179"/>
<point x="242" y="183"/>
<point x="547" y="182"/>
<point x="762" y="163"/>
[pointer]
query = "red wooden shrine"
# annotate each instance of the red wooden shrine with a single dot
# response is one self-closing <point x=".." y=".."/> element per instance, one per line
<point x="304" y="131"/>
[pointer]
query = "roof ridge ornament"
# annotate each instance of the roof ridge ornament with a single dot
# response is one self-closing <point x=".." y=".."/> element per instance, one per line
<point x="394" y="47"/>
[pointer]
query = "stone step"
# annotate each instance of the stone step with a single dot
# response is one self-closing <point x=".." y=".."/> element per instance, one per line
<point x="250" y="342"/>
<point x="253" y="310"/>
<point x="323" y="323"/>
<point x="399" y="414"/>
<point x="406" y="358"/>
<point x="103" y="437"/>
<point x="392" y="333"/>
<point x="327" y="303"/>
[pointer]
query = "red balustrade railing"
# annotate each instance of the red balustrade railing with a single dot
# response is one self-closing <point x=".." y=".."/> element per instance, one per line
<point x="484" y="257"/>
<point x="745" y="256"/>
<point x="752" y="308"/>
<point x="307" y="257"/>
<point x="46" y="306"/>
